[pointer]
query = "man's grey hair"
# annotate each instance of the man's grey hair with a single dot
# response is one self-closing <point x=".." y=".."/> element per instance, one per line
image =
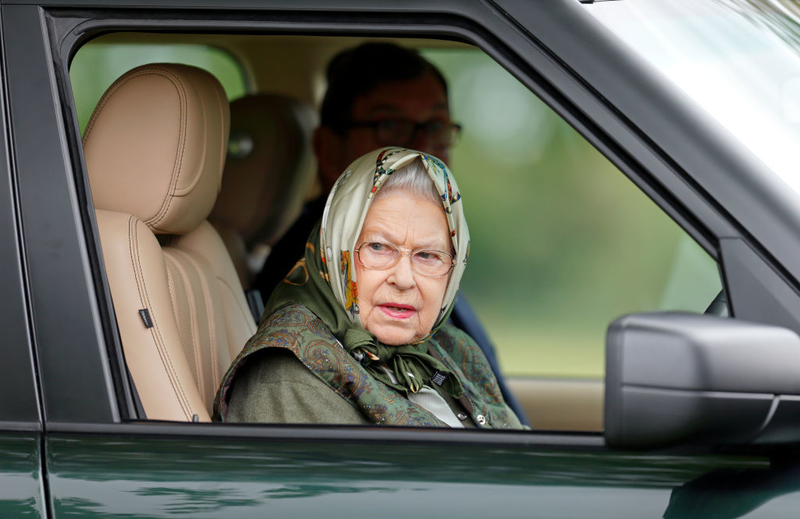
<point x="412" y="179"/>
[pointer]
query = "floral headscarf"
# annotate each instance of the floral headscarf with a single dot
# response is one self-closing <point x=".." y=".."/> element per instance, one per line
<point x="347" y="209"/>
<point x="325" y="279"/>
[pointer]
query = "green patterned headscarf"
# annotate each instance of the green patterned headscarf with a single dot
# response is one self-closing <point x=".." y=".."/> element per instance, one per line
<point x="325" y="279"/>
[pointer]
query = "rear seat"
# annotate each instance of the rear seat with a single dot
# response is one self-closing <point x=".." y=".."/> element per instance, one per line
<point x="269" y="168"/>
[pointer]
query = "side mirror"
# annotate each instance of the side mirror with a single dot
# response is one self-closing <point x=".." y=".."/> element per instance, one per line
<point x="678" y="378"/>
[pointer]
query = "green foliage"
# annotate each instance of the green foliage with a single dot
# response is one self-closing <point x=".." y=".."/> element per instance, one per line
<point x="97" y="65"/>
<point x="562" y="241"/>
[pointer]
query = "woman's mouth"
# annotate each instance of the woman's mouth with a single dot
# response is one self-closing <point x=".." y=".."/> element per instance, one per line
<point x="397" y="311"/>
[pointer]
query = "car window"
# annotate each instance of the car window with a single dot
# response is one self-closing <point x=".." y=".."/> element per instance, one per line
<point x="700" y="48"/>
<point x="99" y="63"/>
<point x="562" y="242"/>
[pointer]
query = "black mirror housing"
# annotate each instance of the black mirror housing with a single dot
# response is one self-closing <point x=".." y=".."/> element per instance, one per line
<point x="676" y="378"/>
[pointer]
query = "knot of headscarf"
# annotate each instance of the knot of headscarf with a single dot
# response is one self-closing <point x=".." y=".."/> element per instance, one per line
<point x="324" y="279"/>
<point x="413" y="367"/>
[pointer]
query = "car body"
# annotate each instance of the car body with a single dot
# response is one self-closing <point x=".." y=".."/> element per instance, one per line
<point x="73" y="442"/>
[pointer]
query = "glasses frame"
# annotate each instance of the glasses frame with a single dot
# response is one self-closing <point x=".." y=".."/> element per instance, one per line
<point x="453" y="128"/>
<point x="405" y="252"/>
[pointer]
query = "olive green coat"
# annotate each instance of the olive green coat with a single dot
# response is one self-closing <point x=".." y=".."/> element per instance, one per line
<point x="294" y="328"/>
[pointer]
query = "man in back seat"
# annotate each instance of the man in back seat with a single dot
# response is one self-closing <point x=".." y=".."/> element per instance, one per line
<point x="379" y="94"/>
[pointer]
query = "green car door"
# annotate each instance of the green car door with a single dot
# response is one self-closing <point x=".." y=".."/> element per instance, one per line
<point x="349" y="472"/>
<point x="103" y="458"/>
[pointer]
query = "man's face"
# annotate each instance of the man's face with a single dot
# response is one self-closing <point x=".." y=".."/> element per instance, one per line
<point x="418" y="100"/>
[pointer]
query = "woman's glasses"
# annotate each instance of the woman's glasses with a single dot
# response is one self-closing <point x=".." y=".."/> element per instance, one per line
<point x="401" y="132"/>
<point x="382" y="256"/>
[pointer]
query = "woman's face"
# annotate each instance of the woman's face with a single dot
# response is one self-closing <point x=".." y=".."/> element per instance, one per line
<point x="398" y="305"/>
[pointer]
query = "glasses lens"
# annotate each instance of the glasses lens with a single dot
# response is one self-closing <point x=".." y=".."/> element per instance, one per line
<point x="432" y="263"/>
<point x="394" y="132"/>
<point x="435" y="129"/>
<point x="382" y="256"/>
<point x="376" y="255"/>
<point x="443" y="133"/>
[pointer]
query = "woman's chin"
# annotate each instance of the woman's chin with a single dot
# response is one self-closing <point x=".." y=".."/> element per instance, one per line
<point x="394" y="335"/>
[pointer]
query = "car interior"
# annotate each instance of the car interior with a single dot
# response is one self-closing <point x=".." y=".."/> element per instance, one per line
<point x="563" y="242"/>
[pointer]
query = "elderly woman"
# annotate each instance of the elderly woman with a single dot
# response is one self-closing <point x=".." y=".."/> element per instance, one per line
<point x="357" y="333"/>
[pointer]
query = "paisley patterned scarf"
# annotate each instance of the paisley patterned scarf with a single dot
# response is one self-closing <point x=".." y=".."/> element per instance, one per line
<point x="324" y="280"/>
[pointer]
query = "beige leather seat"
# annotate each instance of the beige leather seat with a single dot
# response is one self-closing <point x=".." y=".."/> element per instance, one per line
<point x="269" y="167"/>
<point x="155" y="149"/>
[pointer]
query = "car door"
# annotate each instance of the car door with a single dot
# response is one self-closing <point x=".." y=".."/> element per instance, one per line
<point x="103" y="459"/>
<point x="22" y="491"/>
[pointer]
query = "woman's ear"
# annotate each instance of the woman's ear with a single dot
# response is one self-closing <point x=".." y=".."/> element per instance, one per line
<point x="329" y="149"/>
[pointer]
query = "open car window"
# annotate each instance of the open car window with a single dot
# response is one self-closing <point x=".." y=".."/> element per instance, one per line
<point x="562" y="242"/>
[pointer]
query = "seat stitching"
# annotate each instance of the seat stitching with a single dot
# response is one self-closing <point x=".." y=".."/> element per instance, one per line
<point x="222" y="100"/>
<point x="193" y="318"/>
<point x="104" y="100"/>
<point x="169" y="75"/>
<point x="160" y="343"/>
<point x="212" y="329"/>
<point x="144" y="298"/>
<point x="244" y="312"/>
<point x="162" y="213"/>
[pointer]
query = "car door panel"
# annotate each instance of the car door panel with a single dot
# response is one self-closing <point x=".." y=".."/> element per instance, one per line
<point x="109" y="475"/>
<point x="21" y="490"/>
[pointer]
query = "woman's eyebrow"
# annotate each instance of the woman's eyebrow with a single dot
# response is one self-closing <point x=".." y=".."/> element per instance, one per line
<point x="379" y="232"/>
<point x="375" y="235"/>
<point x="436" y="245"/>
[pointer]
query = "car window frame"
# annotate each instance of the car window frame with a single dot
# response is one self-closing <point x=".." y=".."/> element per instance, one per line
<point x="19" y="397"/>
<point x="532" y="63"/>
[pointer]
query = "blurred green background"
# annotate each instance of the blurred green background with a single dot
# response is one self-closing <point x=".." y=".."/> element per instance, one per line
<point x="97" y="65"/>
<point x="562" y="242"/>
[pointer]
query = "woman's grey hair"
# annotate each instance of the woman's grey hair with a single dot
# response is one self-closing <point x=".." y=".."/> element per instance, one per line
<point x="412" y="179"/>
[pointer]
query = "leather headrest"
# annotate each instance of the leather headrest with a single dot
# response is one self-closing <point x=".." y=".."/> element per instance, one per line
<point x="269" y="167"/>
<point x="155" y="146"/>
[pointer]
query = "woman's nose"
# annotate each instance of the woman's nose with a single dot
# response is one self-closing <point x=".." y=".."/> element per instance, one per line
<point x="402" y="275"/>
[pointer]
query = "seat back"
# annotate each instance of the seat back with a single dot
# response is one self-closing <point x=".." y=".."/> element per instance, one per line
<point x="155" y="149"/>
<point x="269" y="168"/>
